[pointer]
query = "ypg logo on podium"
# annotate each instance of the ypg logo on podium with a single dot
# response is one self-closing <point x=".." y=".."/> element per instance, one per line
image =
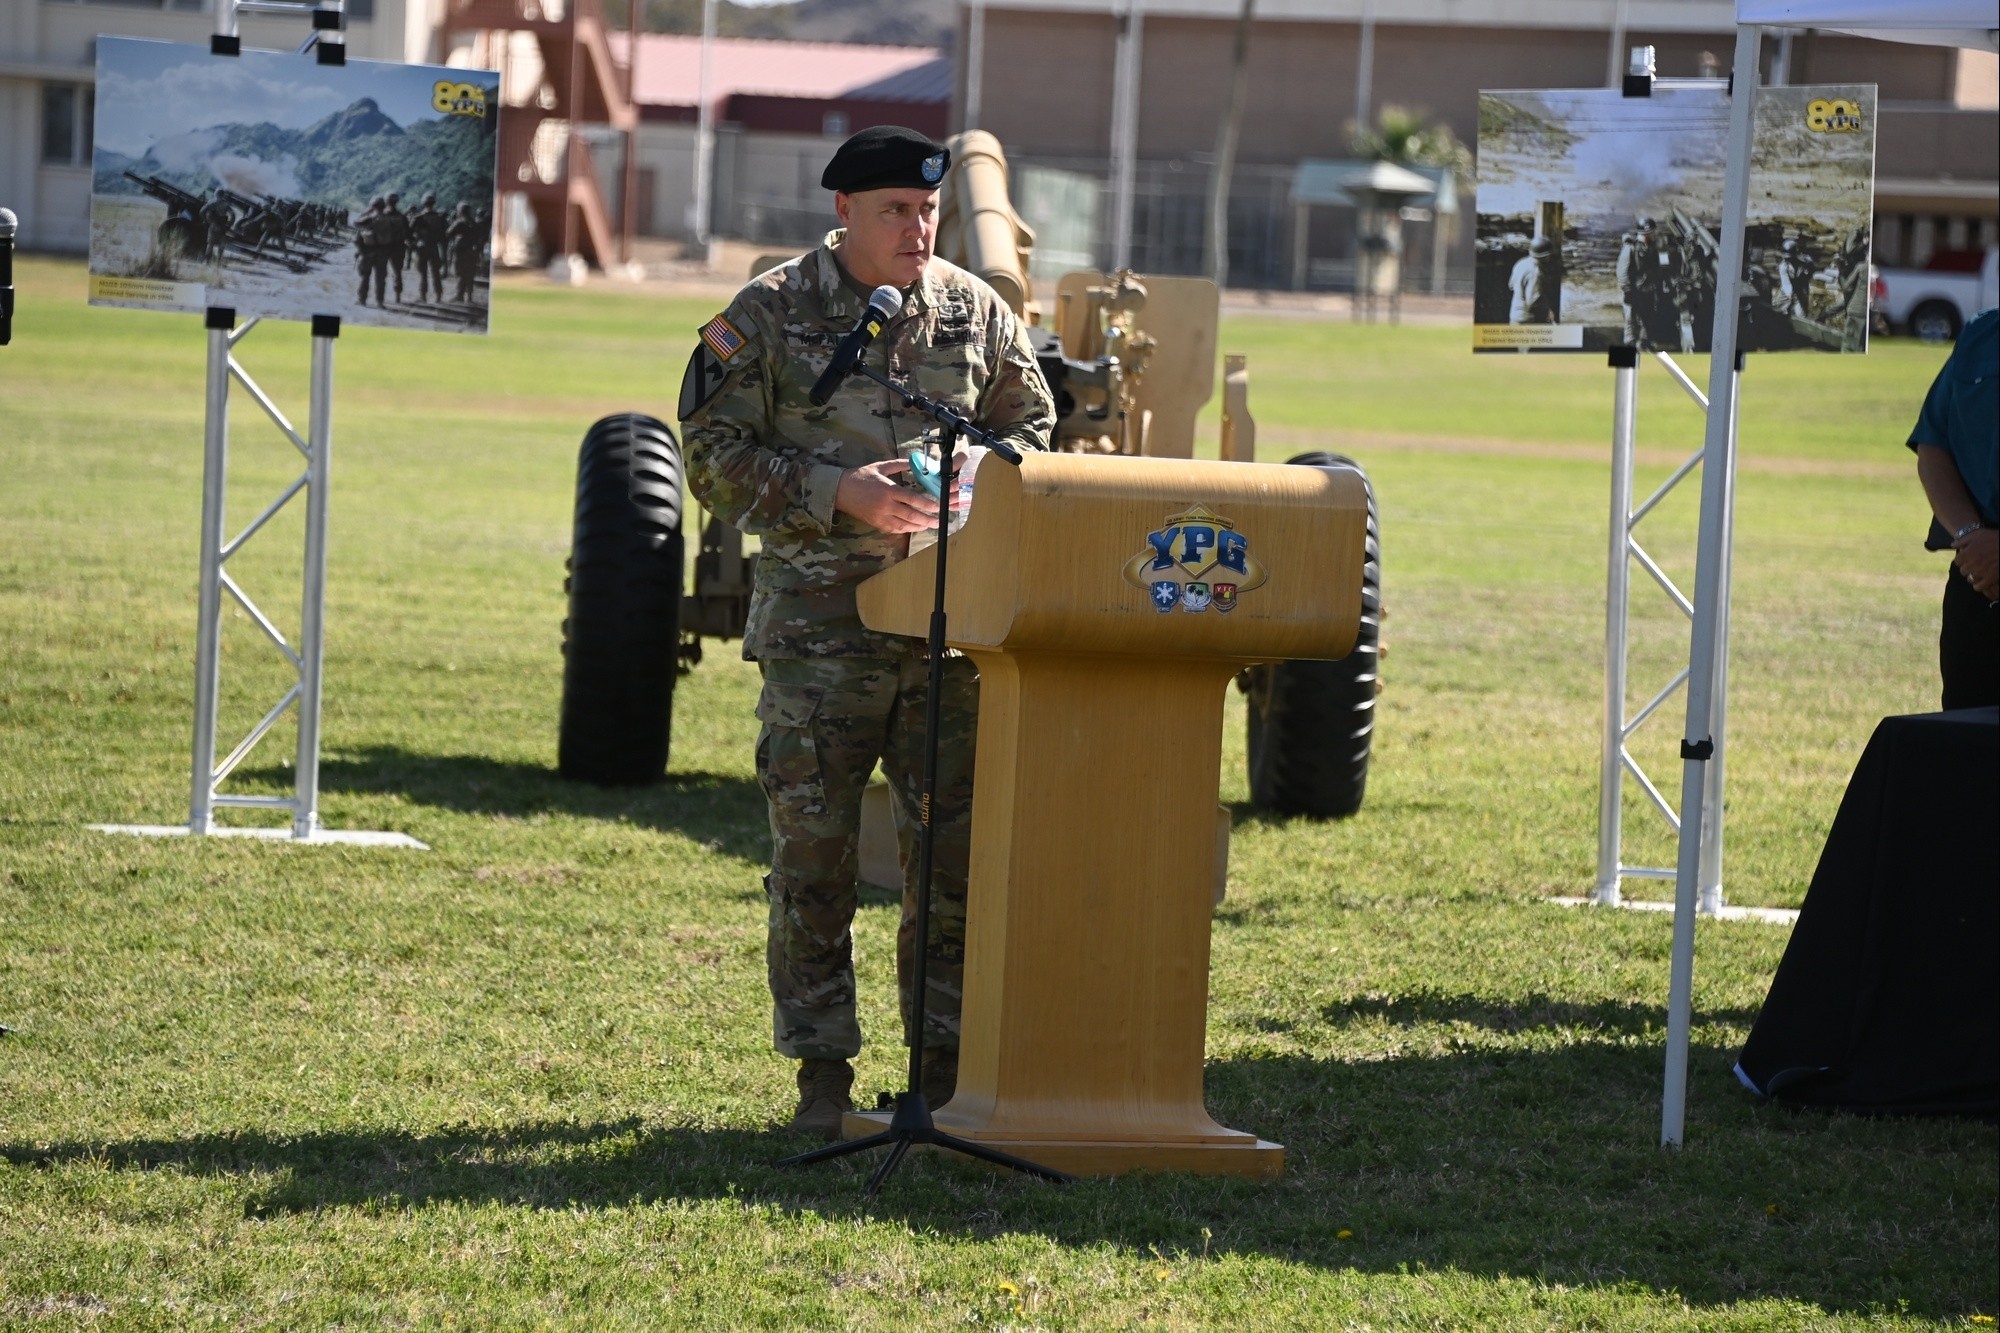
<point x="1194" y="561"/>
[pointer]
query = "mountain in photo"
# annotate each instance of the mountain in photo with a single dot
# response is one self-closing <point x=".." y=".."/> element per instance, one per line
<point x="343" y="159"/>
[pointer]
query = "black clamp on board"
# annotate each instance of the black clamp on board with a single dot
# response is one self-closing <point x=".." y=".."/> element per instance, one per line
<point x="220" y="317"/>
<point x="1638" y="85"/>
<point x="1624" y="358"/>
<point x="1741" y="359"/>
<point x="326" y="326"/>
<point x="326" y="20"/>
<point x="1703" y="749"/>
<point x="220" y="45"/>
<point x="332" y="53"/>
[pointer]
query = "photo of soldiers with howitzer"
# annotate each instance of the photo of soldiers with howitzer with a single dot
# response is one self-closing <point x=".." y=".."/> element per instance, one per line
<point x="276" y="186"/>
<point x="1599" y="219"/>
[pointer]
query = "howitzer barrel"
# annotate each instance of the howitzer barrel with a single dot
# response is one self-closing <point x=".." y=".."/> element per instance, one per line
<point x="977" y="220"/>
<point x="164" y="191"/>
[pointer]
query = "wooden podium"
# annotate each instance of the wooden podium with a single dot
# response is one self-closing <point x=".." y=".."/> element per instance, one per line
<point x="1108" y="602"/>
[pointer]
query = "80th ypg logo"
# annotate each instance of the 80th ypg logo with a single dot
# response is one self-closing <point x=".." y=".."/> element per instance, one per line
<point x="1195" y="561"/>
<point x="458" y="99"/>
<point x="1833" y="116"/>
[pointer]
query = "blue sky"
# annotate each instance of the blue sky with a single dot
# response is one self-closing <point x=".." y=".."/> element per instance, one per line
<point x="150" y="91"/>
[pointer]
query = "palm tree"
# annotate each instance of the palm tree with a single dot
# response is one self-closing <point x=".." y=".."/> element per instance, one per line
<point x="1409" y="138"/>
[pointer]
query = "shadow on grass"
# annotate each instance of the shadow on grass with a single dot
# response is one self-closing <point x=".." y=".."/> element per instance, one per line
<point x="726" y="814"/>
<point x="1538" y="1165"/>
<point x="1525" y="1014"/>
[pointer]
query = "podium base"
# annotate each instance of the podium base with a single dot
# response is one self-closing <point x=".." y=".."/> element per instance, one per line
<point x="1257" y="1158"/>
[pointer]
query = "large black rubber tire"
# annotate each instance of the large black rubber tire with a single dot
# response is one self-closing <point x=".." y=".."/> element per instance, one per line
<point x="180" y="237"/>
<point x="1312" y="724"/>
<point x="621" y="640"/>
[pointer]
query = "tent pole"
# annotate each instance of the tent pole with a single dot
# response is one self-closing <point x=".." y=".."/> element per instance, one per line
<point x="1718" y="465"/>
<point x="1710" y="899"/>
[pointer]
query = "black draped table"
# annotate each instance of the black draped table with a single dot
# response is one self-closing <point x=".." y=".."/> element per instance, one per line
<point x="1888" y="997"/>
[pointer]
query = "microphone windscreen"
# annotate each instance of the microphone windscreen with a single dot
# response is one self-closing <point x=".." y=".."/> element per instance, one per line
<point x="886" y="301"/>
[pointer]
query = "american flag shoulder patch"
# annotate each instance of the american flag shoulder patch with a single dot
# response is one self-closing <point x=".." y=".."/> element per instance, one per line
<point x="721" y="337"/>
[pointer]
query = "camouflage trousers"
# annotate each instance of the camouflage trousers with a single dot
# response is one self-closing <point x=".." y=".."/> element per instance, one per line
<point x="827" y="721"/>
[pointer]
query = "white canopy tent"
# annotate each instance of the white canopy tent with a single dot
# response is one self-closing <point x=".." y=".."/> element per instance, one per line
<point x="1969" y="23"/>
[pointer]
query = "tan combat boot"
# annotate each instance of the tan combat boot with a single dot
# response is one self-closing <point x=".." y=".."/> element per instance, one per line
<point x="940" y="1078"/>
<point x="823" y="1099"/>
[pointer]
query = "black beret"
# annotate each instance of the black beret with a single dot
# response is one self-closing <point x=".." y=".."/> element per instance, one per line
<point x="886" y="157"/>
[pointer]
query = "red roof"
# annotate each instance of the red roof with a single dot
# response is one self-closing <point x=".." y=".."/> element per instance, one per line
<point x="670" y="68"/>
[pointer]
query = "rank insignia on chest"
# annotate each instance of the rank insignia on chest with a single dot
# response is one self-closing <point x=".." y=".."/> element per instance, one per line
<point x="1196" y="560"/>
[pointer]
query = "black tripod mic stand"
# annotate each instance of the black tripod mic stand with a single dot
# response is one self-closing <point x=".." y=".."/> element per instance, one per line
<point x="911" y="1125"/>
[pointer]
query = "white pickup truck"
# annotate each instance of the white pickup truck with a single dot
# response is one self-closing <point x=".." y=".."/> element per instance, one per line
<point x="1934" y="303"/>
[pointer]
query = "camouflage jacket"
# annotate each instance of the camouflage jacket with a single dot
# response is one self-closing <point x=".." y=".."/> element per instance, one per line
<point x="761" y="458"/>
<point x="427" y="228"/>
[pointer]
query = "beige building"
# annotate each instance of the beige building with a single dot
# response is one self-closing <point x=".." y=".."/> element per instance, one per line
<point x="48" y="76"/>
<point x="1041" y="73"/>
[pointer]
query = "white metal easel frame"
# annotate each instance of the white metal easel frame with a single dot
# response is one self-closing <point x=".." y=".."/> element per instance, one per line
<point x="1619" y="726"/>
<point x="206" y="796"/>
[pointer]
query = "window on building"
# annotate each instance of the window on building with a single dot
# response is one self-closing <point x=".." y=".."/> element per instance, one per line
<point x="834" y="125"/>
<point x="66" y="124"/>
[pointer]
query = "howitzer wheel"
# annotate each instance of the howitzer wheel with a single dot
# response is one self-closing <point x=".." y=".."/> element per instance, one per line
<point x="625" y="573"/>
<point x="180" y="237"/>
<point x="1312" y="724"/>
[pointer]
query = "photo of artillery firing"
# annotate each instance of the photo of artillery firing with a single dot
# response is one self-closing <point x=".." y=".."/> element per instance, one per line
<point x="1599" y="219"/>
<point x="279" y="187"/>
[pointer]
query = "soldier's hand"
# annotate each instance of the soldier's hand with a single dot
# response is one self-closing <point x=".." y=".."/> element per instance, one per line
<point x="873" y="495"/>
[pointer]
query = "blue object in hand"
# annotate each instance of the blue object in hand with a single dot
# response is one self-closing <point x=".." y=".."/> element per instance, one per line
<point x="926" y="472"/>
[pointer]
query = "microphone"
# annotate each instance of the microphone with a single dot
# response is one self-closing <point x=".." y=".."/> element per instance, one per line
<point x="883" y="305"/>
<point x="7" y="226"/>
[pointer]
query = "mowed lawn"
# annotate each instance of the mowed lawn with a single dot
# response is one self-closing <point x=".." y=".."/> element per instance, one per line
<point x="523" y="1080"/>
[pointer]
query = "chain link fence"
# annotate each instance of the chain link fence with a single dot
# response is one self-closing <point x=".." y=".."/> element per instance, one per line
<point x="769" y="195"/>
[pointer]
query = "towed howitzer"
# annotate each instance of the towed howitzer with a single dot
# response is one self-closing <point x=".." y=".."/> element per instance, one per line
<point x="1761" y="319"/>
<point x="260" y="224"/>
<point x="302" y="222"/>
<point x="181" y="232"/>
<point x="251" y="208"/>
<point x="1130" y="359"/>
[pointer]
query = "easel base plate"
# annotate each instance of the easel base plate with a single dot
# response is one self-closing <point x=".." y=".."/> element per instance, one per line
<point x="1256" y="1159"/>
<point x="317" y="838"/>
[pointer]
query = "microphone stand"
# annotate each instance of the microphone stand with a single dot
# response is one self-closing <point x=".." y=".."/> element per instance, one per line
<point x="911" y="1125"/>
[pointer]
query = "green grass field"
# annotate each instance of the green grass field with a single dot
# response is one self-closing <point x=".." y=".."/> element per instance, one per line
<point x="524" y="1080"/>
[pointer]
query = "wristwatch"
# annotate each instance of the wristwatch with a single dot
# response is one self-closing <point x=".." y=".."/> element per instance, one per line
<point x="1965" y="532"/>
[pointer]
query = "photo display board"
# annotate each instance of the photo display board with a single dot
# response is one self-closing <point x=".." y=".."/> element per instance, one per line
<point x="1599" y="215"/>
<point x="283" y="188"/>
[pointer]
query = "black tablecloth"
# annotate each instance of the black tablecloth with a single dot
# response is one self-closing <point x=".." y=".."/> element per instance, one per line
<point x="1888" y="998"/>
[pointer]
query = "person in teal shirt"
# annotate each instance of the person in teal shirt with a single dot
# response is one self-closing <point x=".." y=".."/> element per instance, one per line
<point x="1957" y="443"/>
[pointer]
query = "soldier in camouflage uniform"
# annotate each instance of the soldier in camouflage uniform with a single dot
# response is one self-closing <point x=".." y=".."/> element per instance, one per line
<point x="826" y="489"/>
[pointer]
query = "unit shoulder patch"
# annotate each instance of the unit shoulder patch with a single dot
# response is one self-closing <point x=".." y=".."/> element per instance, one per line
<point x="704" y="378"/>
